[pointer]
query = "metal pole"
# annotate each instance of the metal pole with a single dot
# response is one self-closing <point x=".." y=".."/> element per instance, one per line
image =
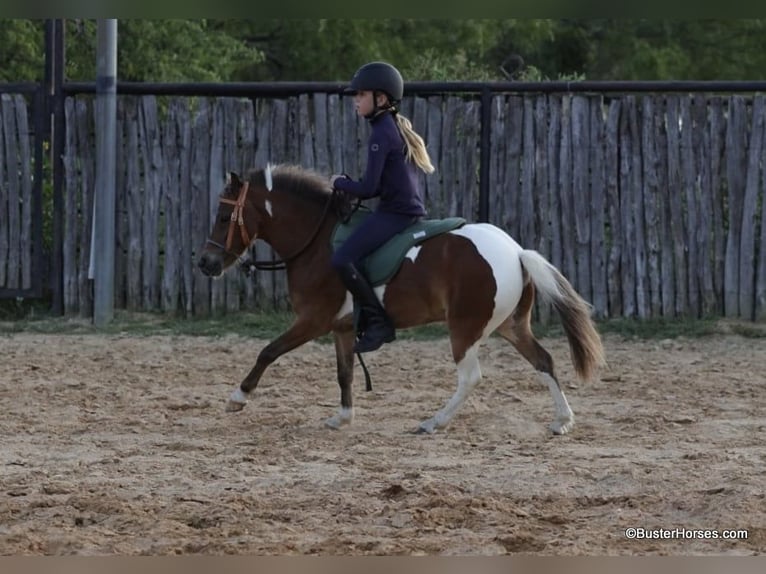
<point x="104" y="196"/>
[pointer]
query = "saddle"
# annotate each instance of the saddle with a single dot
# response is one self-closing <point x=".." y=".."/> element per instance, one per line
<point x="382" y="264"/>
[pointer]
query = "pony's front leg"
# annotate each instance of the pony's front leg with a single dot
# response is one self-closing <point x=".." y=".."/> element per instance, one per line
<point x="344" y="354"/>
<point x="303" y="330"/>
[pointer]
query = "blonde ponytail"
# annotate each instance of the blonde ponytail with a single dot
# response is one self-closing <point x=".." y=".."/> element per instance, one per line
<point x="416" y="147"/>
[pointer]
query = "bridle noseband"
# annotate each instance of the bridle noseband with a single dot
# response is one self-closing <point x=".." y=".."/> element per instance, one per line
<point x="237" y="218"/>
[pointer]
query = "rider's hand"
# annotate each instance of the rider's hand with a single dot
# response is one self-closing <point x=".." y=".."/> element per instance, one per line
<point x="336" y="177"/>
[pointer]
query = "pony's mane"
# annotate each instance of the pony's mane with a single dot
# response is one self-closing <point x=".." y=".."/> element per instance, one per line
<point x="298" y="181"/>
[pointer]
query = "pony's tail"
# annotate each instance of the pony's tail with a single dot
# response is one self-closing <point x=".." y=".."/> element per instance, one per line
<point x="584" y="341"/>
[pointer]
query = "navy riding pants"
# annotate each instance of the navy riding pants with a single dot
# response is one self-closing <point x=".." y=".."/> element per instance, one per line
<point x="373" y="232"/>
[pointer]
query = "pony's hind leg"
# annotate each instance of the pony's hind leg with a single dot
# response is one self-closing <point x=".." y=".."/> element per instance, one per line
<point x="468" y="375"/>
<point x="516" y="329"/>
<point x="344" y="354"/>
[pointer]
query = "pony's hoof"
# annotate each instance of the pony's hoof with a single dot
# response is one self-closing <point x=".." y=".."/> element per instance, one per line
<point x="234" y="406"/>
<point x="426" y="427"/>
<point x="562" y="427"/>
<point x="334" y="423"/>
<point x="343" y="418"/>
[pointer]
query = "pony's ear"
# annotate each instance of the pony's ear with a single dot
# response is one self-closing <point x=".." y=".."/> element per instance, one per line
<point x="267" y="177"/>
<point x="232" y="178"/>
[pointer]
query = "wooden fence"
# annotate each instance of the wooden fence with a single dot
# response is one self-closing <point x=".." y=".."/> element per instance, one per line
<point x="652" y="205"/>
<point x="16" y="241"/>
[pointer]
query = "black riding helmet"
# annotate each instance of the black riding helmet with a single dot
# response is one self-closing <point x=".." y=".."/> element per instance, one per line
<point x="378" y="77"/>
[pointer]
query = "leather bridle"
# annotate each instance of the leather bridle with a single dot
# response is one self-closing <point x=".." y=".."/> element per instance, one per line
<point x="237" y="219"/>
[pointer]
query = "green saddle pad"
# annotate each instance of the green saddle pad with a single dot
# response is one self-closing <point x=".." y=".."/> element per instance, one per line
<point x="383" y="263"/>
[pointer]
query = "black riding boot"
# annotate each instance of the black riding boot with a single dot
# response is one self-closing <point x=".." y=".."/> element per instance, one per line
<point x="375" y="327"/>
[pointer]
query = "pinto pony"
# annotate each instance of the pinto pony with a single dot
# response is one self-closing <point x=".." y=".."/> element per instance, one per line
<point x="476" y="278"/>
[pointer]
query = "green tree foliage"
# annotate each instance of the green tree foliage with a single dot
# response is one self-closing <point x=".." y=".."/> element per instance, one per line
<point x="161" y="51"/>
<point x="21" y="51"/>
<point x="331" y="50"/>
<point x="439" y="49"/>
<point x="679" y="50"/>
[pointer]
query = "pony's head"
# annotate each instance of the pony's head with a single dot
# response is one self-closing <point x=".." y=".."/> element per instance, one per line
<point x="235" y="226"/>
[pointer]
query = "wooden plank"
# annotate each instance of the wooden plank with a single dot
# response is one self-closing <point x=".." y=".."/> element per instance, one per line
<point x="13" y="222"/>
<point x="542" y="173"/>
<point x="496" y="158"/>
<point x="232" y="161"/>
<point x="279" y="127"/>
<point x="677" y="223"/>
<point x="528" y="227"/>
<point x="349" y="143"/>
<point x="650" y="190"/>
<point x="665" y="235"/>
<point x="85" y="150"/>
<point x="434" y="185"/>
<point x="628" y="262"/>
<point x="637" y="200"/>
<point x="170" y="198"/>
<point x="25" y="190"/>
<point x="321" y="135"/>
<point x="201" y="189"/>
<point x="263" y="281"/>
<point x="306" y="132"/>
<point x="247" y="131"/>
<point x="449" y="159"/>
<point x="569" y="268"/>
<point x="4" y="217"/>
<point x="247" y="141"/>
<point x="335" y="107"/>
<point x="717" y="164"/>
<point x="542" y="192"/>
<point x="217" y="174"/>
<point x="279" y="149"/>
<point x="120" y="208"/>
<point x="612" y="177"/>
<point x="469" y="160"/>
<point x="581" y="198"/>
<point x="703" y="232"/>
<point x="458" y="199"/>
<point x="134" y="204"/>
<point x="748" y="225"/>
<point x="420" y="125"/>
<point x="597" y="246"/>
<point x="736" y="168"/>
<point x="554" y="162"/>
<point x="459" y="195"/>
<point x="292" y="133"/>
<point x="760" y="282"/>
<point x="512" y="182"/>
<point x="689" y="183"/>
<point x="186" y="202"/>
<point x="151" y="145"/>
<point x="71" y="212"/>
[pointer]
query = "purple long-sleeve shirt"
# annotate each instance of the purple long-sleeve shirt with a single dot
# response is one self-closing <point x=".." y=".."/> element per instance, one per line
<point x="388" y="173"/>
